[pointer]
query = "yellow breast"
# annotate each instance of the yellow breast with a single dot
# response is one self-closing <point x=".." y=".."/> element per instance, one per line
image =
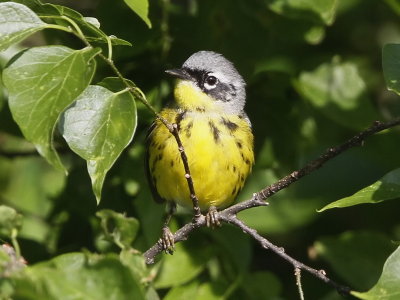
<point x="219" y="148"/>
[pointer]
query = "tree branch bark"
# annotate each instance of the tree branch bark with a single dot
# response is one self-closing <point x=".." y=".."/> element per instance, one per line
<point x="229" y="215"/>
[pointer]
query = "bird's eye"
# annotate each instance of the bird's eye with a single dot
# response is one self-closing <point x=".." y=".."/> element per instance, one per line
<point x="211" y="82"/>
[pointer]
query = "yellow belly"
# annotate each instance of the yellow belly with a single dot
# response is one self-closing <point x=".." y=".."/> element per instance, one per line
<point x="220" y="154"/>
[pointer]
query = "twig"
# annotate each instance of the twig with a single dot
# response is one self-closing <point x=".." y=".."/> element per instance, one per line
<point x="188" y="176"/>
<point x="357" y="140"/>
<point x="228" y="215"/>
<point x="320" y="274"/>
<point x="297" y="274"/>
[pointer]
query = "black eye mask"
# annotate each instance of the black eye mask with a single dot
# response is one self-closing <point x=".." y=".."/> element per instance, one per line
<point x="222" y="91"/>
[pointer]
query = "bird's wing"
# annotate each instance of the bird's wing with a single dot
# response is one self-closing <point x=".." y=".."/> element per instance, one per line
<point x="153" y="189"/>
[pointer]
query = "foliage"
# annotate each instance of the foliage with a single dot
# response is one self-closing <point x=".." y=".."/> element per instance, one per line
<point x="317" y="73"/>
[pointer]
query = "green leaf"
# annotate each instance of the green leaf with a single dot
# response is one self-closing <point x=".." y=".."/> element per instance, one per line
<point x="263" y="284"/>
<point x="42" y="184"/>
<point x="9" y="220"/>
<point x="119" y="228"/>
<point x="98" y="126"/>
<point x="315" y="10"/>
<point x="188" y="261"/>
<point x="356" y="256"/>
<point x="79" y="276"/>
<point x="386" y="188"/>
<point x="388" y="285"/>
<point x="183" y="292"/>
<point x="394" y="5"/>
<point x="16" y="23"/>
<point x="339" y="92"/>
<point x="141" y="8"/>
<point x="42" y="82"/>
<point x="89" y="26"/>
<point x="391" y="66"/>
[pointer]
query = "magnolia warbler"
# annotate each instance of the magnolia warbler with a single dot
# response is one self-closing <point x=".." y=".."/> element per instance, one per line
<point x="216" y="134"/>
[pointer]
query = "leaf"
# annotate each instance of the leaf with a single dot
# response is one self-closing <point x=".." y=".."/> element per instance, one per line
<point x="356" y="256"/>
<point x="388" y="285"/>
<point x="41" y="184"/>
<point x="98" y="126"/>
<point x="16" y="23"/>
<point x="92" y="21"/>
<point x="89" y="26"/>
<point x="339" y="92"/>
<point x="183" y="292"/>
<point x="141" y="8"/>
<point x="9" y="220"/>
<point x="79" y="276"/>
<point x="42" y="82"/>
<point x="391" y="66"/>
<point x="394" y="5"/>
<point x="263" y="284"/>
<point x="135" y="261"/>
<point x="188" y="261"/>
<point x="121" y="229"/>
<point x="386" y="188"/>
<point x="315" y="10"/>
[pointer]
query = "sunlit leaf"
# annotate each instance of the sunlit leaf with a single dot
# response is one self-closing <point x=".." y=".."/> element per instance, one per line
<point x="51" y="13"/>
<point x="9" y="220"/>
<point x="98" y="126"/>
<point x="79" y="276"/>
<point x="16" y="23"/>
<point x="141" y="8"/>
<point x="388" y="285"/>
<point x="339" y="92"/>
<point x="120" y="228"/>
<point x="386" y="188"/>
<point x="42" y="183"/>
<point x="315" y="10"/>
<point x="42" y="82"/>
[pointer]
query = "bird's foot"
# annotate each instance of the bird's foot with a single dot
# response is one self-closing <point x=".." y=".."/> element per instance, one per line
<point x="167" y="240"/>
<point x="212" y="217"/>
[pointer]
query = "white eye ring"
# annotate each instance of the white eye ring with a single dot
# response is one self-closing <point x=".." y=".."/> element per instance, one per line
<point x="210" y="82"/>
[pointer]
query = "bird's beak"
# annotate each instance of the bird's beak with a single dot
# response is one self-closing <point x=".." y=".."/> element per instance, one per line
<point x="179" y="73"/>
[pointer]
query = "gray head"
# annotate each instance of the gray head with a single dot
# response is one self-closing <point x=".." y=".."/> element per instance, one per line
<point x="215" y="76"/>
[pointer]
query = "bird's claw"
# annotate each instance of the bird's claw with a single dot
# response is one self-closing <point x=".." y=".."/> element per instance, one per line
<point x="167" y="240"/>
<point x="212" y="217"/>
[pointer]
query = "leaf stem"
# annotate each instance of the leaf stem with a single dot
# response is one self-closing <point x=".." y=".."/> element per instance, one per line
<point x="77" y="28"/>
<point x="14" y="241"/>
<point x="297" y="274"/>
<point x="109" y="45"/>
<point x="59" y="27"/>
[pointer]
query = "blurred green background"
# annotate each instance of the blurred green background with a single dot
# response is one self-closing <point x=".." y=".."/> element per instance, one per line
<point x="314" y="79"/>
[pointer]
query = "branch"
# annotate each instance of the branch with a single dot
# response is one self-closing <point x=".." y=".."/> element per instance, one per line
<point x="357" y="140"/>
<point x="228" y="215"/>
<point x="188" y="176"/>
<point x="266" y="244"/>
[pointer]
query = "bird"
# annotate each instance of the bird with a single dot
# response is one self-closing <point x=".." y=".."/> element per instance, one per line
<point x="216" y="134"/>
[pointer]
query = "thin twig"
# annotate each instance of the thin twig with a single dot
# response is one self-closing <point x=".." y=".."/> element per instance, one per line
<point x="188" y="176"/>
<point x="320" y="274"/>
<point x="312" y="166"/>
<point x="297" y="274"/>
